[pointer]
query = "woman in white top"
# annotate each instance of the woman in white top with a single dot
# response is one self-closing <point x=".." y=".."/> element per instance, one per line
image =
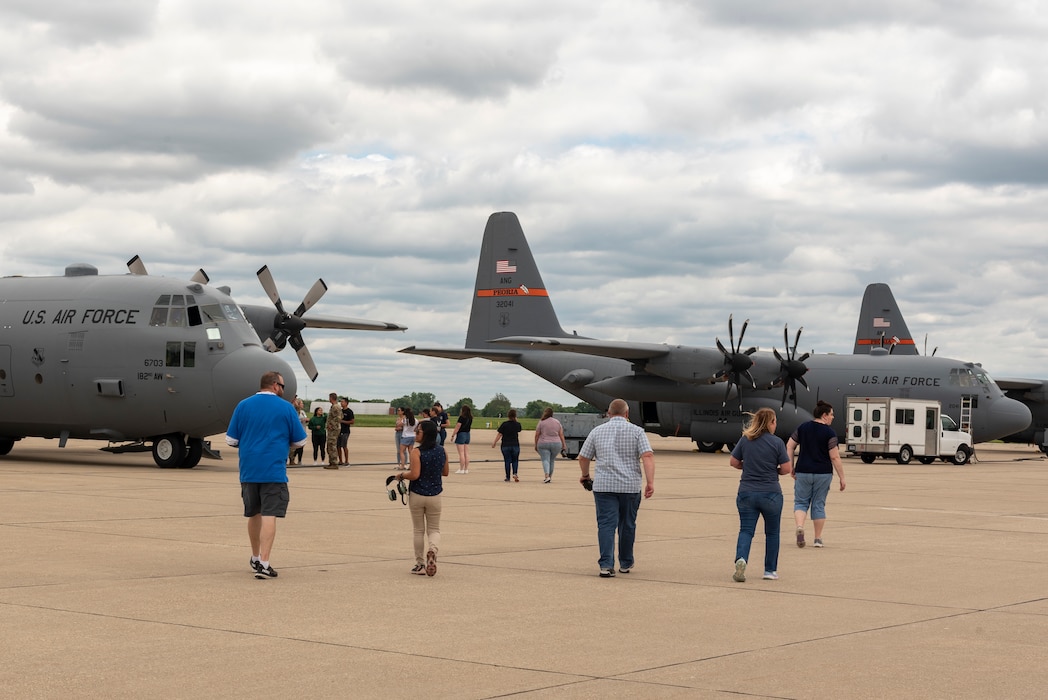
<point x="549" y="440"/>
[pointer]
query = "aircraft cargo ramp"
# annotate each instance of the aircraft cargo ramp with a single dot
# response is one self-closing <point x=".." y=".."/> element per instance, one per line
<point x="121" y="580"/>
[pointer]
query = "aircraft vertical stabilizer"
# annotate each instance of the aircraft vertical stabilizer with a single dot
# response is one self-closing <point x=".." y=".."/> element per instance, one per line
<point x="881" y="324"/>
<point x="509" y="297"/>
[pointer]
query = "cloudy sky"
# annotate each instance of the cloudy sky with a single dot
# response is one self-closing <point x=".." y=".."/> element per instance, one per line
<point x="671" y="162"/>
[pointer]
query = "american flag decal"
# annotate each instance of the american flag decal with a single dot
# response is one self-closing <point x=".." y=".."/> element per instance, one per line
<point x="505" y="266"/>
<point x="880" y="322"/>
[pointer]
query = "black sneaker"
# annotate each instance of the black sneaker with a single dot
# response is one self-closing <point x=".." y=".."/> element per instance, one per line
<point x="419" y="569"/>
<point x="265" y="572"/>
<point x="256" y="566"/>
<point x="607" y="573"/>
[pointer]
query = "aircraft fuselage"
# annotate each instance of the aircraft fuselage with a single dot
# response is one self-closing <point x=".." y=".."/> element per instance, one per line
<point x="123" y="358"/>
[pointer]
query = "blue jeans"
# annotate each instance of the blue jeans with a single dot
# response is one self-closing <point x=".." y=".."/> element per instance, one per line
<point x="616" y="511"/>
<point x="548" y="451"/>
<point x="768" y="506"/>
<point x="511" y="456"/>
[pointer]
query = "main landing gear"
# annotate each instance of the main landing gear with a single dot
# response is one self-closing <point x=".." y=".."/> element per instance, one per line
<point x="176" y="451"/>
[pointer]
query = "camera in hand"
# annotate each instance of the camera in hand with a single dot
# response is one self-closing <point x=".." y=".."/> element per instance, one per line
<point x="587" y="484"/>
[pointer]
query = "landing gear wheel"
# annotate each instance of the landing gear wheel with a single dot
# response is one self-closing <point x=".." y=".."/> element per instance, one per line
<point x="709" y="446"/>
<point x="5" y="445"/>
<point x="926" y="460"/>
<point x="169" y="451"/>
<point x="867" y="458"/>
<point x="905" y="455"/>
<point x="962" y="455"/>
<point x="194" y="451"/>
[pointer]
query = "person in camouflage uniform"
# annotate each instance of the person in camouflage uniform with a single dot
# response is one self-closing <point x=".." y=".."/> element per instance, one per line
<point x="334" y="425"/>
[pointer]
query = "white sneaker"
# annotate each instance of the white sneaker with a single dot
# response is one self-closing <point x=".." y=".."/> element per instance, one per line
<point x="771" y="576"/>
<point x="740" y="571"/>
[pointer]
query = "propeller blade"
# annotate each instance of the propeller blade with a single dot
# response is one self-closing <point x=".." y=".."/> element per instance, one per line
<point x="200" y="277"/>
<point x="136" y="266"/>
<point x="731" y="333"/>
<point x="307" y="362"/>
<point x="745" y="324"/>
<point x="312" y="297"/>
<point x="270" y="286"/>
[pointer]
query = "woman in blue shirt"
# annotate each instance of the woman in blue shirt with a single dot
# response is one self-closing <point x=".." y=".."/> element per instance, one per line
<point x="429" y="464"/>
<point x="762" y="457"/>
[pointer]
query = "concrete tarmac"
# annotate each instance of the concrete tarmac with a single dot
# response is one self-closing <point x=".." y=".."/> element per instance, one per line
<point x="122" y="580"/>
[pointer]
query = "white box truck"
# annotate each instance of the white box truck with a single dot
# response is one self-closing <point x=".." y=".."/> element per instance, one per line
<point x="904" y="429"/>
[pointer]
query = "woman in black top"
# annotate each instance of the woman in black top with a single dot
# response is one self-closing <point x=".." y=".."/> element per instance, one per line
<point x="460" y="436"/>
<point x="509" y="433"/>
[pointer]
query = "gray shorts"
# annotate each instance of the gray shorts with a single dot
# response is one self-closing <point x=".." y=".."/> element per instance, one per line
<point x="265" y="499"/>
<point x="343" y="439"/>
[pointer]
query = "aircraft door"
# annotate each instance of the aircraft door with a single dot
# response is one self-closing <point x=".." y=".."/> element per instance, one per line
<point x="6" y="384"/>
<point x="932" y="428"/>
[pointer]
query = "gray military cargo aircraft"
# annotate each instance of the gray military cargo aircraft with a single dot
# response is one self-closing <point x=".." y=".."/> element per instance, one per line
<point x="683" y="390"/>
<point x="881" y="325"/>
<point x="139" y="359"/>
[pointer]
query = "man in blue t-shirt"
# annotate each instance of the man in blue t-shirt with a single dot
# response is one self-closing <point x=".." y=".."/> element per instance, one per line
<point x="264" y="427"/>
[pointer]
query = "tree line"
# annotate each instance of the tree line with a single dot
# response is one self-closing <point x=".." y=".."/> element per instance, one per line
<point x="497" y="407"/>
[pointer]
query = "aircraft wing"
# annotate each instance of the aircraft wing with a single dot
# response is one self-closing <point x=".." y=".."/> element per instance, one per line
<point x="464" y="353"/>
<point x="351" y="324"/>
<point x="589" y="346"/>
<point x="1007" y="384"/>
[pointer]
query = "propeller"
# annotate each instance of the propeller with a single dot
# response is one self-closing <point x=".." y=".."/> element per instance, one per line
<point x="287" y="328"/>
<point x="736" y="363"/>
<point x="791" y="368"/>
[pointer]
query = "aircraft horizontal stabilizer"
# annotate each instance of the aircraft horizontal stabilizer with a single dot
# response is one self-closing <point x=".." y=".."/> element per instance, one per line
<point x="465" y="354"/>
<point x="589" y="346"/>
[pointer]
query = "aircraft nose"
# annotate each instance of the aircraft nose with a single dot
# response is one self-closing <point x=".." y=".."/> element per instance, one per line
<point x="1007" y="416"/>
<point x="237" y="376"/>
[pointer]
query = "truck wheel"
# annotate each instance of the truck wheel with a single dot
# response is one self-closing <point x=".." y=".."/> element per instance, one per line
<point x="905" y="455"/>
<point x="867" y="458"/>
<point x="926" y="460"/>
<point x="961" y="455"/>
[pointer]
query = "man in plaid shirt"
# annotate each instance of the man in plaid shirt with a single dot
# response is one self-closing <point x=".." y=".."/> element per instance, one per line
<point x="620" y="448"/>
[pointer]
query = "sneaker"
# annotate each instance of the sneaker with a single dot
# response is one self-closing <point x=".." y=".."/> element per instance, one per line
<point x="515" y="478"/>
<point x="506" y="480"/>
<point x="264" y="572"/>
<point x="740" y="571"/>
<point x="431" y="563"/>
<point x="817" y="542"/>
<point x="771" y="576"/>
<point x="625" y="570"/>
<point x="419" y="569"/>
<point x="800" y="537"/>
<point x="546" y="480"/>
<point x="255" y="565"/>
<point x="607" y="573"/>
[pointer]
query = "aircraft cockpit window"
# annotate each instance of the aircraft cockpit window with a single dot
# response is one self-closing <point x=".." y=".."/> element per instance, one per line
<point x="232" y="312"/>
<point x="159" y="317"/>
<point x="212" y="313"/>
<point x="170" y="310"/>
<point x="164" y="300"/>
<point x="178" y="300"/>
<point x="177" y="317"/>
<point x="189" y="354"/>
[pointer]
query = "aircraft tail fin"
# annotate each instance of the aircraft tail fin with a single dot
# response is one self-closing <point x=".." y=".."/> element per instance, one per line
<point x="509" y="297"/>
<point x="881" y="324"/>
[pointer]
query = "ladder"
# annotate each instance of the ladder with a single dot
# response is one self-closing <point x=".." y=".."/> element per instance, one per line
<point x="966" y="419"/>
